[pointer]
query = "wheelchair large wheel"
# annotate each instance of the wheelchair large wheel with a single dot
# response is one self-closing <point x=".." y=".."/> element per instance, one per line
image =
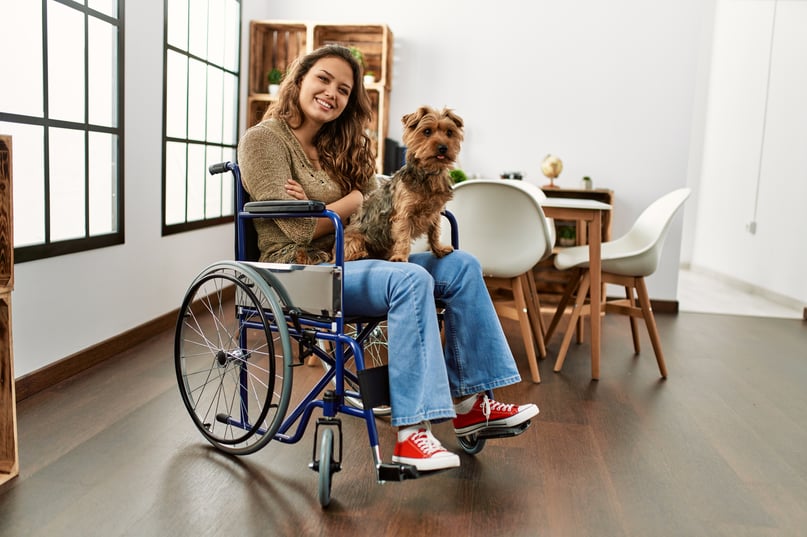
<point x="233" y="358"/>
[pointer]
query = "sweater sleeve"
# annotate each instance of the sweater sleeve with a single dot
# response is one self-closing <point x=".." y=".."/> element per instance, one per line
<point x="266" y="162"/>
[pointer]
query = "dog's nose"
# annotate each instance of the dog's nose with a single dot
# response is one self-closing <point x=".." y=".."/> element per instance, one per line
<point x="442" y="149"/>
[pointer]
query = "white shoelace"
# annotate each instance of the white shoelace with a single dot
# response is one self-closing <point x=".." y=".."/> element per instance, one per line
<point x="489" y="404"/>
<point x="425" y="442"/>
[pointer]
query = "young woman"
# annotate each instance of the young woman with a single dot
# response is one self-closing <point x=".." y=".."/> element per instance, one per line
<point x="311" y="145"/>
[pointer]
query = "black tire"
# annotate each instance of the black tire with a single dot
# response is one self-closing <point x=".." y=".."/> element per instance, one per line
<point x="232" y="357"/>
<point x="471" y="444"/>
<point x="326" y="465"/>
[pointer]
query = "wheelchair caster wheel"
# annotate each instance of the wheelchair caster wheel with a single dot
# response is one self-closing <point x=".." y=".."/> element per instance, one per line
<point x="471" y="444"/>
<point x="327" y="467"/>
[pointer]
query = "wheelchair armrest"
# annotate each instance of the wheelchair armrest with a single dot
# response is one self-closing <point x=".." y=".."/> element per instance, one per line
<point x="284" y="206"/>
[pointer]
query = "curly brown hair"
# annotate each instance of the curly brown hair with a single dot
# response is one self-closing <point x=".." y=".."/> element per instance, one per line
<point x="345" y="151"/>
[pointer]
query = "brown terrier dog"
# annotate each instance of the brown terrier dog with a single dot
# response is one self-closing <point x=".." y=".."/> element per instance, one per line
<point x="409" y="204"/>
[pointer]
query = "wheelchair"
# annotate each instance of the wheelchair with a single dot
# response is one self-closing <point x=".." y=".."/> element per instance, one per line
<point x="238" y="328"/>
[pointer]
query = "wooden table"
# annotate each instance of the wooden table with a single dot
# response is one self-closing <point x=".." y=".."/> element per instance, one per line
<point x="589" y="212"/>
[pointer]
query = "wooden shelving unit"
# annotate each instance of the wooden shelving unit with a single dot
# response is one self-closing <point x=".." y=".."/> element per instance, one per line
<point x="278" y="43"/>
<point x="9" y="458"/>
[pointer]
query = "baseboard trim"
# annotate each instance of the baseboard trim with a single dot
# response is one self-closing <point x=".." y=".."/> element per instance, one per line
<point x="63" y="369"/>
<point x="664" y="306"/>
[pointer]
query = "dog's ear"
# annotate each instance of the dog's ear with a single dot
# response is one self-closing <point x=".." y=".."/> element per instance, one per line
<point x="410" y="121"/>
<point x="453" y="117"/>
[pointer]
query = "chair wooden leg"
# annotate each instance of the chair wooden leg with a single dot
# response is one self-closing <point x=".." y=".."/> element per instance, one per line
<point x="534" y="311"/>
<point x="577" y="311"/>
<point x="633" y="326"/>
<point x="526" y="331"/>
<point x="564" y="303"/>
<point x="650" y="321"/>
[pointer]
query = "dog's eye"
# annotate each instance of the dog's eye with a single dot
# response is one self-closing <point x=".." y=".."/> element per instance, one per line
<point x="449" y="133"/>
<point x="427" y="132"/>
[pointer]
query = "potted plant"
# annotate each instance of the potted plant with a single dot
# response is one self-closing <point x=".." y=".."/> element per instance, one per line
<point x="457" y="176"/>
<point x="586" y="183"/>
<point x="369" y="76"/>
<point x="274" y="77"/>
<point x="567" y="235"/>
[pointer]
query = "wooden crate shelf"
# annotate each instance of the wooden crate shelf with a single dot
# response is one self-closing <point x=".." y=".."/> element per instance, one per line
<point x="273" y="44"/>
<point x="9" y="458"/>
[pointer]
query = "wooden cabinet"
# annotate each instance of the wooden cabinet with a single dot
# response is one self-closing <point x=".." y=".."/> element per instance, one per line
<point x="9" y="458"/>
<point x="278" y="43"/>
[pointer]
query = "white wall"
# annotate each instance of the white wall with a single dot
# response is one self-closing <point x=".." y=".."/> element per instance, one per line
<point x="66" y="304"/>
<point x="755" y="148"/>
<point x="614" y="88"/>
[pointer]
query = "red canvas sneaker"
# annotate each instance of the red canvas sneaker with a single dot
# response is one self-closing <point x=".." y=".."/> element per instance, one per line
<point x="424" y="451"/>
<point x="486" y="413"/>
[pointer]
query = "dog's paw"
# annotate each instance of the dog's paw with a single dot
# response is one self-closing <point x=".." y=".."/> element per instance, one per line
<point x="442" y="251"/>
<point x="399" y="258"/>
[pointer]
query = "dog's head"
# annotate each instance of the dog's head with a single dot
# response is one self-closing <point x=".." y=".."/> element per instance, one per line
<point x="432" y="138"/>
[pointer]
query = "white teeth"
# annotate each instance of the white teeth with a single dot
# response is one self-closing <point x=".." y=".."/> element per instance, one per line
<point x="323" y="103"/>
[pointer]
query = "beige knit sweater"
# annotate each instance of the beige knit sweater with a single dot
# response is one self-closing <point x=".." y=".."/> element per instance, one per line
<point x="268" y="155"/>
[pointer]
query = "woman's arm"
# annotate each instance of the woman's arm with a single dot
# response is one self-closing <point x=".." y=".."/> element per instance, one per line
<point x="344" y="207"/>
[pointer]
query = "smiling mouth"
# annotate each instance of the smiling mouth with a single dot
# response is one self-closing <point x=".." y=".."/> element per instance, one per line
<point x="324" y="104"/>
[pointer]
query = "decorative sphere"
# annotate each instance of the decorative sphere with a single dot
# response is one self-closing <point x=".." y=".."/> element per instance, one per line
<point x="551" y="166"/>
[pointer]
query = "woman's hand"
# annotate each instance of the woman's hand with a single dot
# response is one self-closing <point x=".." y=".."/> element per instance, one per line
<point x="294" y="190"/>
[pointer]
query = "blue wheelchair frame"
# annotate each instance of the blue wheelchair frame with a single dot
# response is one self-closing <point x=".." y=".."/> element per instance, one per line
<point x="289" y="323"/>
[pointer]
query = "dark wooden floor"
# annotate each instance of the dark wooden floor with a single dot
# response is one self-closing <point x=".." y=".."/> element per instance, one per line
<point x="718" y="449"/>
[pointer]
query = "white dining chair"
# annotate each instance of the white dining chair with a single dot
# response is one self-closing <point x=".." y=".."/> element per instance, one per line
<point x="626" y="261"/>
<point x="501" y="223"/>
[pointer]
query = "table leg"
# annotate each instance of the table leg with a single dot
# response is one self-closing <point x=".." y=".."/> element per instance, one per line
<point x="595" y="292"/>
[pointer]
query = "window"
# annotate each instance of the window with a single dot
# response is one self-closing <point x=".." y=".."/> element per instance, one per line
<point x="62" y="103"/>
<point x="200" y="122"/>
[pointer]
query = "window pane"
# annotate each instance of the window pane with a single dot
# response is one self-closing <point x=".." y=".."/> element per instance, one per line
<point x="197" y="172"/>
<point x="103" y="183"/>
<point x="215" y="33"/>
<point x="197" y="37"/>
<point x="28" y="154"/>
<point x="107" y="7"/>
<point x="231" y="34"/>
<point x="103" y="73"/>
<point x="21" y="32"/>
<point x="177" y="96"/>
<point x="197" y="106"/>
<point x="214" y="104"/>
<point x="213" y="189"/>
<point x="175" y="173"/>
<point x="230" y="113"/>
<point x="178" y="23"/>
<point x="67" y="199"/>
<point x="65" y="63"/>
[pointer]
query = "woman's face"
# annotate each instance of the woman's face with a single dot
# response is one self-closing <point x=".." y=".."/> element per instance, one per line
<point x="325" y="89"/>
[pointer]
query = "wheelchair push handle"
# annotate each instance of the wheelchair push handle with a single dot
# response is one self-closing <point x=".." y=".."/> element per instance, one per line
<point x="221" y="167"/>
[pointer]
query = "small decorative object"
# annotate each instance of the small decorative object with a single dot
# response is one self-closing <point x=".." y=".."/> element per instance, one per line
<point x="274" y="77"/>
<point x="512" y="175"/>
<point x="586" y="183"/>
<point x="369" y="78"/>
<point x="457" y="176"/>
<point x="551" y="166"/>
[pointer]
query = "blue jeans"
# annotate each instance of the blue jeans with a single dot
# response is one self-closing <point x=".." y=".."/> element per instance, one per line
<point x="423" y="377"/>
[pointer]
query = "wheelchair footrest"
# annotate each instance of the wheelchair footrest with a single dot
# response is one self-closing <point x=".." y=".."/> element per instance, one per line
<point x="503" y="432"/>
<point x="396" y="472"/>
